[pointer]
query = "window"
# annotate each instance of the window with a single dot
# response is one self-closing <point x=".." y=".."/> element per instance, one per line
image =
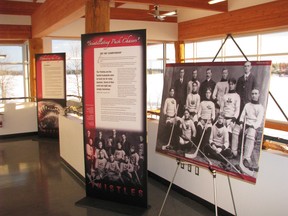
<point x="72" y="48"/>
<point x="272" y="46"/>
<point x="13" y="72"/>
<point x="158" y="54"/>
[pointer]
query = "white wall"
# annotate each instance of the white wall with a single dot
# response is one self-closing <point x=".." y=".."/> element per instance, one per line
<point x="155" y="30"/>
<point x="267" y="197"/>
<point x="19" y="118"/>
<point x="71" y="142"/>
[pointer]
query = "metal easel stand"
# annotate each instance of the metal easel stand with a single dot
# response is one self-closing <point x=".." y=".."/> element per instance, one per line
<point x="213" y="171"/>
<point x="169" y="188"/>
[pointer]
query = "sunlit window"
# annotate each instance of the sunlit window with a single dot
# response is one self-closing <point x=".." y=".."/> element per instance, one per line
<point x="158" y="55"/>
<point x="72" y="48"/>
<point x="13" y="72"/>
<point x="270" y="46"/>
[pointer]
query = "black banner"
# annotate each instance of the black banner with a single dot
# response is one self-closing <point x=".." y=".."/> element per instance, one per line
<point x="114" y="102"/>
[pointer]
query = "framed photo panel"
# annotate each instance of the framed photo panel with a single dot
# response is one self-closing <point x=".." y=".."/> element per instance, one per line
<point x="212" y="114"/>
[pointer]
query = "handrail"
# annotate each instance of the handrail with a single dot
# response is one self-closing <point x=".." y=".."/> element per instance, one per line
<point x="17" y="98"/>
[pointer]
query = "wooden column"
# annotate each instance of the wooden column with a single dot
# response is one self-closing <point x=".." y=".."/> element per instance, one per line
<point x="35" y="47"/>
<point x="97" y="17"/>
<point x="179" y="51"/>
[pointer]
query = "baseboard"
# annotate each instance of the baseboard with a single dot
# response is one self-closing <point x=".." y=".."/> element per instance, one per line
<point x="9" y="136"/>
<point x="74" y="173"/>
<point x="189" y="194"/>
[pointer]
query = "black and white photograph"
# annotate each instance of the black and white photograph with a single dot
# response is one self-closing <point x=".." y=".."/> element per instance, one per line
<point x="213" y="114"/>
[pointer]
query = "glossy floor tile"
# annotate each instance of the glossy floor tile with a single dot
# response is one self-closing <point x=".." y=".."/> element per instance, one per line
<point x="33" y="181"/>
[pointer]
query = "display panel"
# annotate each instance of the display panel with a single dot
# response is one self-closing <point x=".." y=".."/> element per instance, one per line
<point x="51" y="92"/>
<point x="114" y="93"/>
<point x="212" y="114"/>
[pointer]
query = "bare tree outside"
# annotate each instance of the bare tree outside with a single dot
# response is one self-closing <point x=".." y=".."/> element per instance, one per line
<point x="73" y="66"/>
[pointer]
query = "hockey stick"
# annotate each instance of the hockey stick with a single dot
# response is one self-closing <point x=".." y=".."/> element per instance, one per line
<point x="230" y="163"/>
<point x="241" y="165"/>
<point x="198" y="147"/>
<point x="174" y="122"/>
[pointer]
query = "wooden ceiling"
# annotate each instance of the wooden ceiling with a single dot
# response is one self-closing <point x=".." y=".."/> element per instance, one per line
<point x="119" y="8"/>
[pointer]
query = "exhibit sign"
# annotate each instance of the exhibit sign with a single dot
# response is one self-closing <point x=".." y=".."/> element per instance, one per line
<point x="114" y="116"/>
<point x="213" y="115"/>
<point x="51" y="92"/>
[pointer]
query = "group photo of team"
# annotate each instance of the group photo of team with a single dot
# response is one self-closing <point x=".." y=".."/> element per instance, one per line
<point x="114" y="157"/>
<point x="214" y="114"/>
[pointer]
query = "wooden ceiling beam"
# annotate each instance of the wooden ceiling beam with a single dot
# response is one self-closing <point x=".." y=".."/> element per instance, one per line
<point x="268" y="16"/>
<point x="53" y="14"/>
<point x="136" y="14"/>
<point x="15" y="32"/>
<point x="18" y="8"/>
<point x="197" y="4"/>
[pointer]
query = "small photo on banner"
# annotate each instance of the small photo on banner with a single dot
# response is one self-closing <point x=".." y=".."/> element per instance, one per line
<point x="213" y="115"/>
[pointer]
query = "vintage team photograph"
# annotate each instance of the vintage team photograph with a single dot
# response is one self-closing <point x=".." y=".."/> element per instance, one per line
<point x="213" y="114"/>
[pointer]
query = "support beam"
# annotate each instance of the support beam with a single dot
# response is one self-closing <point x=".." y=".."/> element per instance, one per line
<point x="197" y="4"/>
<point x="35" y="47"/>
<point x="15" y="32"/>
<point x="179" y="51"/>
<point x="269" y="16"/>
<point x="18" y="8"/>
<point x="54" y="14"/>
<point x="97" y="18"/>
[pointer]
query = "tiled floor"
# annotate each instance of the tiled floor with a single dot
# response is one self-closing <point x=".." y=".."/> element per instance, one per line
<point x="33" y="181"/>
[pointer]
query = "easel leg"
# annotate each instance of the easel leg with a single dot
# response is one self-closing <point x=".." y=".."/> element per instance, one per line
<point x="234" y="206"/>
<point x="215" y="189"/>
<point x="178" y="164"/>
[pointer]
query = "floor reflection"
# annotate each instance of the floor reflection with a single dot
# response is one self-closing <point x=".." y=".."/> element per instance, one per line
<point x="33" y="181"/>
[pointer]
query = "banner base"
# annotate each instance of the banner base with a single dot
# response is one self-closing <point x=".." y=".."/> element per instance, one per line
<point x="87" y="202"/>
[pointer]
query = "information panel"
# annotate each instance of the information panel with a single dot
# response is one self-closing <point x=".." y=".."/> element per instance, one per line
<point x="213" y="115"/>
<point x="51" y="92"/>
<point x="114" y="89"/>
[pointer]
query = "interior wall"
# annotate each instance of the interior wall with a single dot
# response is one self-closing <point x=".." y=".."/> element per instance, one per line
<point x="267" y="197"/>
<point x="19" y="118"/>
<point x="155" y="30"/>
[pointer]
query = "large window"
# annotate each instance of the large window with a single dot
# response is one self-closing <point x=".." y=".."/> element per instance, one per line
<point x="270" y="46"/>
<point x="13" y="72"/>
<point x="72" y="48"/>
<point x="158" y="54"/>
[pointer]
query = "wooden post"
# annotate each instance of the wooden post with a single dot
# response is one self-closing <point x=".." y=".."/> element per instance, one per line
<point x="179" y="51"/>
<point x="97" y="17"/>
<point x="35" y="47"/>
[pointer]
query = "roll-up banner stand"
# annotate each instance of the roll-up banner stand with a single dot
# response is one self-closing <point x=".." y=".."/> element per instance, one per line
<point x="51" y="92"/>
<point x="114" y="117"/>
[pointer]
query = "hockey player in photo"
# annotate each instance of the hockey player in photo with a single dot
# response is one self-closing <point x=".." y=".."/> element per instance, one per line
<point x="230" y="106"/>
<point x="126" y="170"/>
<point x="100" y="166"/>
<point x="207" y="83"/>
<point x="220" y="90"/>
<point x="206" y="117"/>
<point x="119" y="153"/>
<point x="218" y="146"/>
<point x="180" y="87"/>
<point x="193" y="102"/>
<point x="170" y="114"/>
<point x="251" y="119"/>
<point x="188" y="132"/>
<point x="194" y="79"/>
<point x="112" y="169"/>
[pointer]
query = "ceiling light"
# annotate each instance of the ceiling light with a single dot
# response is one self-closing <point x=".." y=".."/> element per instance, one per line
<point x="2" y="56"/>
<point x="215" y="1"/>
<point x="170" y="13"/>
